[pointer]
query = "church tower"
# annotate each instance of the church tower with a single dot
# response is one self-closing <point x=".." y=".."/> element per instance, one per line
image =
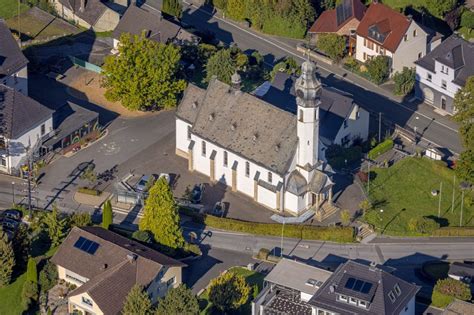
<point x="308" y="93"/>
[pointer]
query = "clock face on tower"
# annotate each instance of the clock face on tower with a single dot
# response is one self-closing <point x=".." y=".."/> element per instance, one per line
<point x="299" y="93"/>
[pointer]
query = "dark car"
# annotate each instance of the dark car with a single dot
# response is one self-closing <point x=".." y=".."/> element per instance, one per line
<point x="219" y="209"/>
<point x="12" y="214"/>
<point x="9" y="224"/>
<point x="196" y="193"/>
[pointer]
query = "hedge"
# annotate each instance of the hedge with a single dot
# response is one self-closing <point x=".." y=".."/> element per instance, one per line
<point x="381" y="148"/>
<point x="89" y="191"/>
<point x="308" y="232"/>
<point x="454" y="231"/>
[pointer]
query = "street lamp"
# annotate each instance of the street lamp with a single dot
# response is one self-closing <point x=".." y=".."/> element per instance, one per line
<point x="416" y="137"/>
<point x="282" y="229"/>
<point x="13" y="192"/>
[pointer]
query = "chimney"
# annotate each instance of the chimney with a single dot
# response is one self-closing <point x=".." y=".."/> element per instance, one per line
<point x="132" y="258"/>
<point x="236" y="81"/>
<point x="83" y="5"/>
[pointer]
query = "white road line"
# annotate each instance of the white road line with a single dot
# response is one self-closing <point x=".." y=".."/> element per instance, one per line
<point x="319" y="64"/>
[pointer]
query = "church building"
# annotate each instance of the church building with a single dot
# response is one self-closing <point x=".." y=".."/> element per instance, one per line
<point x="262" y="150"/>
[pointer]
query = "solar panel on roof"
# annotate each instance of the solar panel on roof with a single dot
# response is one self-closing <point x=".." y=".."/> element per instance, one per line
<point x="350" y="283"/>
<point x="86" y="245"/>
<point x="358" y="285"/>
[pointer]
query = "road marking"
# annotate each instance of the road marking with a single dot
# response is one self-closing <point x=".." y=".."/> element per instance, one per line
<point x="274" y="43"/>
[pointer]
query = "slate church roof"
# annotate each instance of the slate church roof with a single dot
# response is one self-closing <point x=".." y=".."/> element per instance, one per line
<point x="20" y="113"/>
<point x="242" y="123"/>
<point x="454" y="52"/>
<point x="366" y="283"/>
<point x="11" y="57"/>
<point x="335" y="107"/>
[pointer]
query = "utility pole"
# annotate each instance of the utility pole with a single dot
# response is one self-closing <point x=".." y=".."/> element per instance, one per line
<point x="13" y="192"/>
<point x="454" y="188"/>
<point x="380" y="126"/>
<point x="462" y="205"/>
<point x="29" y="187"/>
<point x="439" y="204"/>
<point x="282" y="229"/>
<point x="368" y="177"/>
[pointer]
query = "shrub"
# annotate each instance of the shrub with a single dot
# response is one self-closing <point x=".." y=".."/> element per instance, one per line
<point x="454" y="231"/>
<point x="143" y="236"/>
<point x="446" y="290"/>
<point x="422" y="225"/>
<point x="89" y="191"/>
<point x="351" y="63"/>
<point x="29" y="294"/>
<point x="467" y="19"/>
<point x="48" y="277"/>
<point x="80" y="219"/>
<point x="332" y="45"/>
<point x="378" y="69"/>
<point x="263" y="253"/>
<point x="381" y="148"/>
<point x="404" y="81"/>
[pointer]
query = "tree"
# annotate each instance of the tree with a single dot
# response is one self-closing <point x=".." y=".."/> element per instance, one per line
<point x="464" y="105"/>
<point x="439" y="7"/>
<point x="56" y="226"/>
<point x="404" y="81"/>
<point x="365" y="206"/>
<point x="89" y="175"/>
<point x="378" y="69"/>
<point x="205" y="51"/>
<point x="332" y="45"/>
<point x="31" y="271"/>
<point x="235" y="9"/>
<point x="48" y="276"/>
<point x="345" y="217"/>
<point x="446" y="290"/>
<point x="221" y="65"/>
<point x="161" y="216"/>
<point x="228" y="292"/>
<point x="137" y="302"/>
<point x="107" y="215"/>
<point x="80" y="219"/>
<point x="422" y="225"/>
<point x="173" y="8"/>
<point x="143" y="75"/>
<point x="7" y="259"/>
<point x="21" y="246"/>
<point x="467" y="19"/>
<point x="180" y="300"/>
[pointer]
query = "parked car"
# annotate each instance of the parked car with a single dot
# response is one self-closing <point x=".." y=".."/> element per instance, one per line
<point x="219" y="209"/>
<point x="196" y="193"/>
<point x="166" y="176"/>
<point x="142" y="185"/>
<point x="12" y="214"/>
<point x="9" y="224"/>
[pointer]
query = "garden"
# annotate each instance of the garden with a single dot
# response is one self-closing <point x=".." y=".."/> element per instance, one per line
<point x="406" y="197"/>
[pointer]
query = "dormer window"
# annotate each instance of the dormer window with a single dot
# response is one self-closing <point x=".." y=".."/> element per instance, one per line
<point x="363" y="304"/>
<point x="391" y="296"/>
<point x="353" y="301"/>
<point x="405" y="37"/>
<point x="342" y="298"/>
<point x="397" y="289"/>
<point x="414" y="33"/>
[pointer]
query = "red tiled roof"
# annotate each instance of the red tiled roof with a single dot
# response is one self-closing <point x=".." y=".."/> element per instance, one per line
<point x="388" y="20"/>
<point x="327" y="21"/>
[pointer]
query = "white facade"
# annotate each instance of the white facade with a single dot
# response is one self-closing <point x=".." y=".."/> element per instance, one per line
<point x="412" y="47"/>
<point x="18" y="80"/>
<point x="16" y="152"/>
<point x="354" y="127"/>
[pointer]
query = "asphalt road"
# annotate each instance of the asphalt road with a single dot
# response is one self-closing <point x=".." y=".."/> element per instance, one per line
<point x="435" y="129"/>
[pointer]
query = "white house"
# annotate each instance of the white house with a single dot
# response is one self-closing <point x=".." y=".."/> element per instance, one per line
<point x="441" y="73"/>
<point x="385" y="32"/>
<point x="105" y="266"/>
<point x="13" y="64"/>
<point x="258" y="149"/>
<point x="353" y="288"/>
<point x="24" y="124"/>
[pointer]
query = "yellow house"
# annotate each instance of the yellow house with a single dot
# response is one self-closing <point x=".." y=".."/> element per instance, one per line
<point x="105" y="266"/>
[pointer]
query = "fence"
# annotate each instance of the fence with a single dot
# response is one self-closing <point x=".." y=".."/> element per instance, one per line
<point x="86" y="65"/>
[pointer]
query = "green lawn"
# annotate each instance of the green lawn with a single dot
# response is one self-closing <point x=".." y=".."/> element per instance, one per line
<point x="403" y="191"/>
<point x="10" y="297"/>
<point x="9" y="8"/>
<point x="251" y="277"/>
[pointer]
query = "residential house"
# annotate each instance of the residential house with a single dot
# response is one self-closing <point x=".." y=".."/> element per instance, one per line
<point x="105" y="266"/>
<point x="386" y="32"/>
<point x="342" y="20"/>
<point x="98" y="15"/>
<point x="137" y="20"/>
<point x="24" y="124"/>
<point x="13" y="64"/>
<point x="458" y="307"/>
<point x="461" y="271"/>
<point x="265" y="152"/>
<point x="441" y="73"/>
<point x="353" y="288"/>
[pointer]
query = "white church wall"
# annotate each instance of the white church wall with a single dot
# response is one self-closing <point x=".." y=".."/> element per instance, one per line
<point x="182" y="141"/>
<point x="267" y="197"/>
<point x="294" y="203"/>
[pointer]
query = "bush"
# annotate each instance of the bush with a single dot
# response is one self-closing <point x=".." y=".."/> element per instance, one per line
<point x="467" y="19"/>
<point x="351" y="63"/>
<point x="422" y="225"/>
<point x="143" y="236"/>
<point x="381" y="148"/>
<point x="48" y="277"/>
<point x="263" y="253"/>
<point x="404" y="81"/>
<point x="446" y="290"/>
<point x="29" y="294"/>
<point x="332" y="45"/>
<point x="89" y="191"/>
<point x="453" y="231"/>
<point x="378" y="69"/>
